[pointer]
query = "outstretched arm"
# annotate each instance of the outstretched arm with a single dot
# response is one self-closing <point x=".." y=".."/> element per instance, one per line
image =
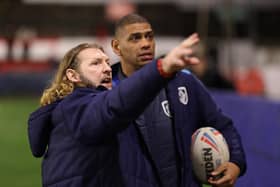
<point x="106" y="113"/>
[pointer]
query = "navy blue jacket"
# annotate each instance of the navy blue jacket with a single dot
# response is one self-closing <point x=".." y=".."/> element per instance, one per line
<point x="192" y="107"/>
<point x="88" y="138"/>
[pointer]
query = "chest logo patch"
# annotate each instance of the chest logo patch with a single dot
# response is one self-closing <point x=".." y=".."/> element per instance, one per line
<point x="183" y="95"/>
<point x="166" y="109"/>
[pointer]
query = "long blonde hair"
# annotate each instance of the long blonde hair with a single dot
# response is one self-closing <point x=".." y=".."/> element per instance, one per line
<point x="61" y="86"/>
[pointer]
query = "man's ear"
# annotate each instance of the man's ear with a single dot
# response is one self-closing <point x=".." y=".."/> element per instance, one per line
<point x="73" y="75"/>
<point x="116" y="47"/>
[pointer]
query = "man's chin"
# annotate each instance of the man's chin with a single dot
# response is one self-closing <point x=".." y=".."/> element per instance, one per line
<point x="144" y="62"/>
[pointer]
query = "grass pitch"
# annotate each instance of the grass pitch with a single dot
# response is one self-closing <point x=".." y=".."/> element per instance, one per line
<point x="18" y="167"/>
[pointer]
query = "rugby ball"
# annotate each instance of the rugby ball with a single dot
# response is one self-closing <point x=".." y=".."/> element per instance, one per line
<point x="209" y="150"/>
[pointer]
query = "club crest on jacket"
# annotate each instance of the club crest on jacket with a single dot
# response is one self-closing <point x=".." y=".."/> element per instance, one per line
<point x="166" y="109"/>
<point x="183" y="95"/>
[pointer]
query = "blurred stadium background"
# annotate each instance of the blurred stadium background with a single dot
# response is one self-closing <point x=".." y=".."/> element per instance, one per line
<point x="241" y="37"/>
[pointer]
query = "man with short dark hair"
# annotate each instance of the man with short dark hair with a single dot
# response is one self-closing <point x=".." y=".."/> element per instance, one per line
<point x="158" y="147"/>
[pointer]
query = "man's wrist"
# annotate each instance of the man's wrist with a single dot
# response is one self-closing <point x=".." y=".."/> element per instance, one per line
<point x="161" y="71"/>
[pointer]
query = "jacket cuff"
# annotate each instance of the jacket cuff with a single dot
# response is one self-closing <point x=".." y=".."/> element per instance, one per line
<point x="161" y="72"/>
<point x="241" y="166"/>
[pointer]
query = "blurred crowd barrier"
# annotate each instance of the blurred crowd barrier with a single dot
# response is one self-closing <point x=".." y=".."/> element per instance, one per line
<point x="41" y="49"/>
<point x="253" y="69"/>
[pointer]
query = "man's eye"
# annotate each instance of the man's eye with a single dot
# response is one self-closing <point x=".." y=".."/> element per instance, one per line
<point x="135" y="38"/>
<point x="150" y="36"/>
<point x="94" y="63"/>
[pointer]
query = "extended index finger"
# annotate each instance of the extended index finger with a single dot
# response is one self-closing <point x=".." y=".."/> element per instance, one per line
<point x="191" y="40"/>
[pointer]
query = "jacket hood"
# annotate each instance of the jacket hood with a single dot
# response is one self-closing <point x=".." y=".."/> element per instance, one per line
<point x="39" y="128"/>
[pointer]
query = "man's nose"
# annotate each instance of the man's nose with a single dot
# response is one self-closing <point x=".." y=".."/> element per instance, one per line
<point x="107" y="67"/>
<point x="146" y="43"/>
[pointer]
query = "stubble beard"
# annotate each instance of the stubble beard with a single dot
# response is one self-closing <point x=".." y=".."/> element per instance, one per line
<point x="87" y="82"/>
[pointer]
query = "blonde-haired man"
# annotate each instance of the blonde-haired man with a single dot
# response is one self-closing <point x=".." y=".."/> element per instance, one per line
<point x="81" y="127"/>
